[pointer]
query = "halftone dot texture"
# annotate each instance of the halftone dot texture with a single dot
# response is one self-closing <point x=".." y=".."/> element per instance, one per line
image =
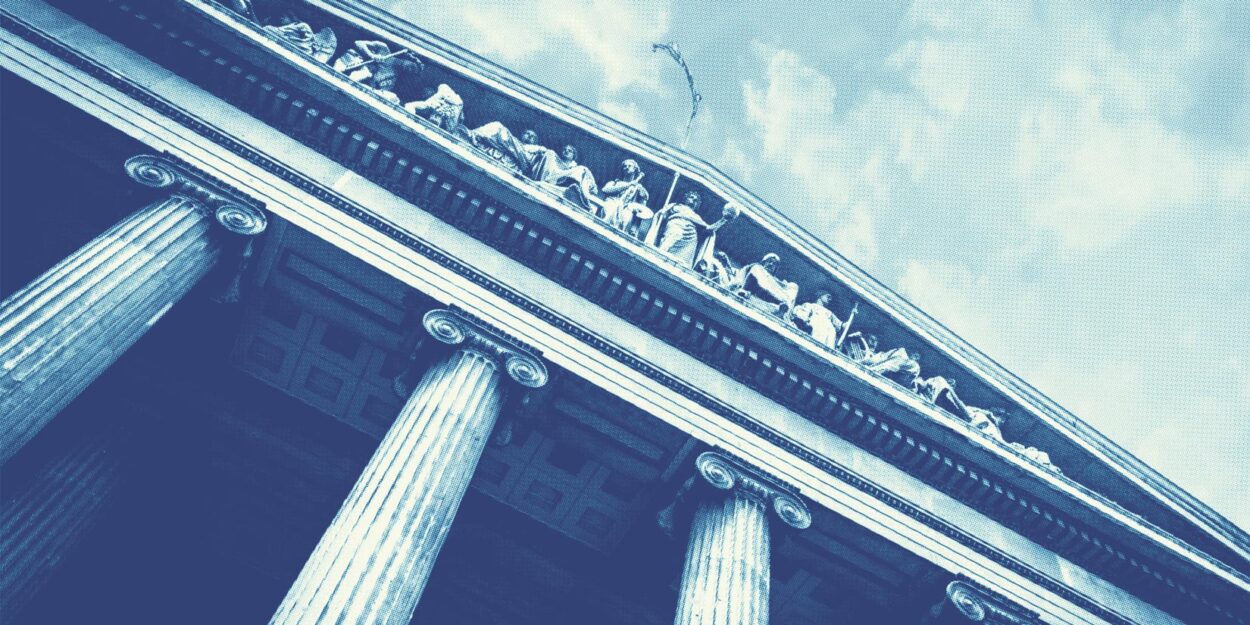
<point x="1067" y="186"/>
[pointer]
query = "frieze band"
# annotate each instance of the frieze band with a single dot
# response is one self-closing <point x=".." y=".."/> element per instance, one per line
<point x="390" y="230"/>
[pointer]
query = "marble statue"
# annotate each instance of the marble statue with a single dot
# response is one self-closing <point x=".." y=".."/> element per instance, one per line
<point x="445" y="109"/>
<point x="721" y="271"/>
<point x="820" y="322"/>
<point x="356" y="60"/>
<point x="679" y="231"/>
<point x="320" y="45"/>
<point x="498" y="142"/>
<point x="372" y="64"/>
<point x="940" y="392"/>
<point x="1036" y="455"/>
<point x="990" y="423"/>
<point x="562" y="170"/>
<point x="986" y="421"/>
<point x="895" y="364"/>
<point x="625" y="200"/>
<point x="764" y="291"/>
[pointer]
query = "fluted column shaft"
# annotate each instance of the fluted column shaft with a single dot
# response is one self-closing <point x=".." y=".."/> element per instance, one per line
<point x="41" y="525"/>
<point x="67" y="326"/>
<point x="727" y="570"/>
<point x="726" y="576"/>
<point x="373" y="562"/>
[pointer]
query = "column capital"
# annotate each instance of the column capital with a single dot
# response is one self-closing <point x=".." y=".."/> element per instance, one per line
<point x="724" y="472"/>
<point x="982" y="605"/>
<point x="456" y="327"/>
<point x="234" y="210"/>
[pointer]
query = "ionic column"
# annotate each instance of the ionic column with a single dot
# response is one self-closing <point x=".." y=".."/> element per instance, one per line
<point x="726" y="576"/>
<point x="68" y="325"/>
<point x="969" y="602"/>
<point x="375" y="559"/>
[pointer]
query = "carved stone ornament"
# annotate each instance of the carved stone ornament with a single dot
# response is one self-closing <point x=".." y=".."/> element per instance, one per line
<point x="726" y="473"/>
<point x="981" y="605"/>
<point x="455" y="327"/>
<point x="233" y="210"/>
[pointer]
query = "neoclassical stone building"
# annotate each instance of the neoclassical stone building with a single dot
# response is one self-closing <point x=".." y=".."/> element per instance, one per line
<point x="300" y="325"/>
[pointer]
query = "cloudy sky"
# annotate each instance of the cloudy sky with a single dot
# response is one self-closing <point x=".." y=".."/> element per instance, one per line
<point x="1067" y="187"/>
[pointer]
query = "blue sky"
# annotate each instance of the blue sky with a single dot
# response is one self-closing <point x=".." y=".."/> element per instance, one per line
<point x="1067" y="186"/>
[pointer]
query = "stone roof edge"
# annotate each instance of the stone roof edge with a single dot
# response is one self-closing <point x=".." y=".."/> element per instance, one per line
<point x="768" y="217"/>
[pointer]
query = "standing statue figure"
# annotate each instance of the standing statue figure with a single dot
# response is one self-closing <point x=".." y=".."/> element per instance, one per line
<point x="562" y="170"/>
<point x="625" y="200"/>
<point x="299" y="34"/>
<point x="765" y="291"/>
<point x="820" y="322"/>
<point x="676" y="230"/>
<point x="445" y="109"/>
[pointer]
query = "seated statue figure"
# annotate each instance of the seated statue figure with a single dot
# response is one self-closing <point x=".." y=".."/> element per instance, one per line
<point x="940" y="392"/>
<point x="625" y="200"/>
<point x="679" y="231"/>
<point x="444" y="109"/>
<point x="764" y="291"/>
<point x="498" y="142"/>
<point x="819" y="321"/>
<point x="895" y="364"/>
<point x="562" y="170"/>
<point x="299" y="34"/>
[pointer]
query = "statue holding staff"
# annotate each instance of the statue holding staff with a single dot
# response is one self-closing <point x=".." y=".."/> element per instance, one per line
<point x="679" y="231"/>
<point x="821" y="323"/>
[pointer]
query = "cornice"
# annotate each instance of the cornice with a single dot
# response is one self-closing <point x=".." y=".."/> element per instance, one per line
<point x="866" y="287"/>
<point x="434" y="193"/>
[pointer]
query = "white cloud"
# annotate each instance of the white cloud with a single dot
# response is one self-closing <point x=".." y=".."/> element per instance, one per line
<point x="614" y="36"/>
<point x="792" y="112"/>
<point x="957" y="298"/>
<point x="626" y="113"/>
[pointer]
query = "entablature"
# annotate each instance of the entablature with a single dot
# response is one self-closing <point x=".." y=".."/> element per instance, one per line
<point x="637" y="283"/>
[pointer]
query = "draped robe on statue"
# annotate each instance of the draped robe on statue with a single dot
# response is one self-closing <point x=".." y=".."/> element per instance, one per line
<point x="500" y="144"/>
<point x="675" y="231"/>
<point x="941" y="393"/>
<point x="319" y="46"/>
<point x="444" y="109"/>
<point x="625" y="204"/>
<point x="577" y="180"/>
<point x="896" y="364"/>
<point x="766" y="291"/>
<point x="824" y="325"/>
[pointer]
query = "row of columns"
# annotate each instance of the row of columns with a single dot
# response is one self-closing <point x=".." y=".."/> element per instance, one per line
<point x="372" y="564"/>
